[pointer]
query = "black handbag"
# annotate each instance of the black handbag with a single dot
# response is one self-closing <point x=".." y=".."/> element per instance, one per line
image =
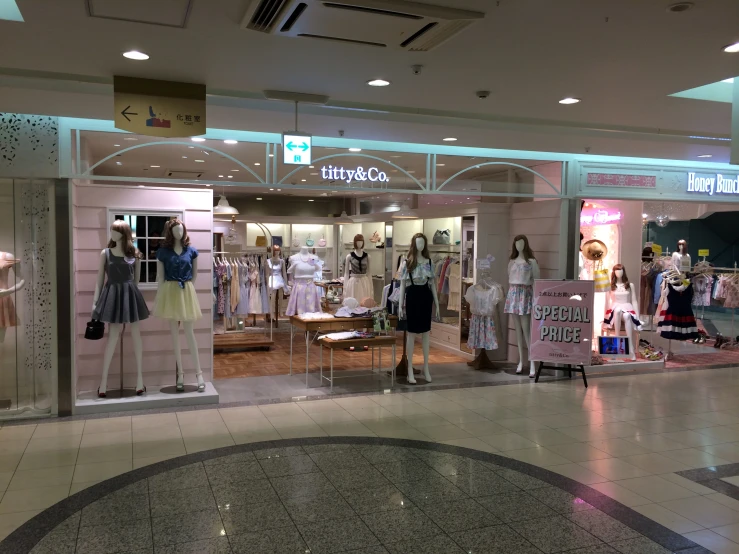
<point x="94" y="330"/>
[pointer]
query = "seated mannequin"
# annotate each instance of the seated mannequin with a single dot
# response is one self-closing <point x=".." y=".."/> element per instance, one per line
<point x="622" y="305"/>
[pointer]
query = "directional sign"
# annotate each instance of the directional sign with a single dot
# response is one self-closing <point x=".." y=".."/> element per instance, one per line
<point x="297" y="149"/>
<point x="159" y="108"/>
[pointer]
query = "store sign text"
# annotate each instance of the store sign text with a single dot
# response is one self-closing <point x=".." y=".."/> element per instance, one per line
<point x="716" y="184"/>
<point x="599" y="217"/>
<point x="359" y="174"/>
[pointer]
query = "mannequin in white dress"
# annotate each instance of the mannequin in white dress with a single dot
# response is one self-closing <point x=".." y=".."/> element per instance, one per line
<point x="681" y="259"/>
<point x="622" y="305"/>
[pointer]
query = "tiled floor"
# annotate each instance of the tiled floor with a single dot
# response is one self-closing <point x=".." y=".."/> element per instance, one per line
<point x="625" y="437"/>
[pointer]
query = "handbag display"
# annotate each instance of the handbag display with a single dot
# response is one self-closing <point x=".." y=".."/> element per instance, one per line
<point x="296" y="242"/>
<point x="277" y="241"/>
<point x="261" y="241"/>
<point x="309" y="241"/>
<point x="95" y="330"/>
<point x="601" y="279"/>
<point x="442" y="236"/>
<point x="322" y="241"/>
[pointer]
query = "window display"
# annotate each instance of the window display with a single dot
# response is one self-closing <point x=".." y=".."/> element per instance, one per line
<point x="304" y="295"/>
<point x="119" y="301"/>
<point x="522" y="271"/>
<point x="622" y="305"/>
<point x="357" y="279"/>
<point x="177" y="265"/>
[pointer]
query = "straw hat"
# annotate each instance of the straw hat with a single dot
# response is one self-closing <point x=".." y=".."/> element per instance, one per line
<point x="594" y="250"/>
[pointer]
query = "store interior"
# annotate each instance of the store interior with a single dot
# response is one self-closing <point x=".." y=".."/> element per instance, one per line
<point x="644" y="238"/>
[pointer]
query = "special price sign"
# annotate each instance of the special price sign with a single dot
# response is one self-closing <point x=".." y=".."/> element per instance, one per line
<point x="562" y="322"/>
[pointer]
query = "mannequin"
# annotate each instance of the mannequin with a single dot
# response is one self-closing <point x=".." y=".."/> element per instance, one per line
<point x="417" y="294"/>
<point x="120" y="301"/>
<point x="177" y="266"/>
<point x="357" y="279"/>
<point x="8" y="316"/>
<point x="304" y="296"/>
<point x="680" y="258"/>
<point x="581" y="262"/>
<point x="522" y="271"/>
<point x="277" y="279"/>
<point x="622" y="304"/>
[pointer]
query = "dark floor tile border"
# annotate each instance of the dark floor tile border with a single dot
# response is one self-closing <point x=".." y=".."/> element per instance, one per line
<point x="399" y="389"/>
<point x="711" y="477"/>
<point x="23" y="539"/>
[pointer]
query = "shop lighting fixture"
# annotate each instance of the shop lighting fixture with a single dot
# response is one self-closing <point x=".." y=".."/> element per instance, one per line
<point x="279" y="190"/>
<point x="184" y="157"/>
<point x="231" y="141"/>
<point x="224" y="208"/>
<point x="116" y="145"/>
<point x="230" y="176"/>
<point x="304" y="180"/>
<point x="118" y="163"/>
<point x="344" y="219"/>
<point x="197" y="139"/>
<point x="220" y="176"/>
<point x="311" y="167"/>
<point x="405" y="213"/>
<point x="200" y="161"/>
<point x="355" y="150"/>
<point x="154" y="166"/>
<point x="311" y="200"/>
<point x="271" y="189"/>
<point x="257" y="163"/>
<point x="706" y="156"/>
<point x="440" y="165"/>
<point x="450" y="139"/>
<point x="732" y="48"/>
<point x="235" y="170"/>
<point x="136" y="55"/>
<point x="271" y="155"/>
<point x="378" y="83"/>
<point x="258" y="198"/>
<point x="569" y="100"/>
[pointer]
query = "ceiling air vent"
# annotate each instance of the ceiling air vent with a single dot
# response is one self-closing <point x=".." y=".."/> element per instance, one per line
<point x="184" y="175"/>
<point x="397" y="24"/>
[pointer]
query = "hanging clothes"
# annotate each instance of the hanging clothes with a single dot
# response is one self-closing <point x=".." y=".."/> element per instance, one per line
<point x="235" y="291"/>
<point x="702" y="290"/>
<point x="676" y="318"/>
<point x="242" y="308"/>
<point x="482" y="303"/>
<point x="455" y="287"/>
<point x="255" y="298"/>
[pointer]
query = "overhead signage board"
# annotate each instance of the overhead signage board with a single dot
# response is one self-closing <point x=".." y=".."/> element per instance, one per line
<point x="159" y="108"/>
<point x="297" y="149"/>
<point x="358" y="174"/>
<point x="562" y="322"/>
<point x="703" y="252"/>
<point x="713" y="183"/>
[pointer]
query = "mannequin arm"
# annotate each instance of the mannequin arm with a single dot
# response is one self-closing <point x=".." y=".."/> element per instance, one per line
<point x="401" y="303"/>
<point x="634" y="299"/>
<point x="194" y="270"/>
<point x="100" y="279"/>
<point x="535" y="272"/>
<point x="284" y="272"/>
<point x="347" y="267"/>
<point x="432" y="284"/>
<point x="11" y="290"/>
<point x="137" y="271"/>
<point x="609" y="301"/>
<point x="160" y="273"/>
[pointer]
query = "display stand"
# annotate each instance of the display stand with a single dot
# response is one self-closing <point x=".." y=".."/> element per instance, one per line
<point x="401" y="370"/>
<point x="482" y="361"/>
<point x="568" y="368"/>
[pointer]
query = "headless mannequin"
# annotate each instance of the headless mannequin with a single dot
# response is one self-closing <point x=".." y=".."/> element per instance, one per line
<point x="425" y="337"/>
<point x="359" y="251"/>
<point x="522" y="323"/>
<point x="619" y="315"/>
<point x="276" y="261"/>
<point x="114" y="329"/>
<point x="8" y="260"/>
<point x="303" y="256"/>
<point x="174" y="326"/>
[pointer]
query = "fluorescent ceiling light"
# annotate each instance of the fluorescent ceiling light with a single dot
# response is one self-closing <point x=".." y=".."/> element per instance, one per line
<point x="234" y="170"/>
<point x="258" y="198"/>
<point x="118" y="163"/>
<point x="220" y="176"/>
<point x="378" y="83"/>
<point x="197" y="139"/>
<point x="311" y="200"/>
<point x="154" y="166"/>
<point x="706" y="156"/>
<point x="184" y="157"/>
<point x="271" y="155"/>
<point x="450" y="139"/>
<point x="355" y="150"/>
<point x="116" y="145"/>
<point x="257" y="163"/>
<point x="230" y="176"/>
<point x="224" y="208"/>
<point x="9" y="11"/>
<point x="732" y="48"/>
<point x="311" y="167"/>
<point x="440" y="165"/>
<point x="200" y="161"/>
<point x="569" y="100"/>
<point x="303" y="180"/>
<point x="271" y="189"/>
<point x="231" y="141"/>
<point x="136" y="55"/>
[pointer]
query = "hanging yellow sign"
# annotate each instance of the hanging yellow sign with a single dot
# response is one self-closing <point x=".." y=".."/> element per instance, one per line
<point x="656" y="249"/>
<point x="159" y="108"/>
<point x="704" y="252"/>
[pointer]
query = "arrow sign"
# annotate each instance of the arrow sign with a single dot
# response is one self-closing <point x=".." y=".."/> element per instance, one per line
<point x="290" y="146"/>
<point x="125" y="113"/>
<point x="304" y="147"/>
<point x="297" y="148"/>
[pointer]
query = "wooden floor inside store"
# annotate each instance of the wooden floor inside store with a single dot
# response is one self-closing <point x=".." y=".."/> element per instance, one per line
<point x="276" y="361"/>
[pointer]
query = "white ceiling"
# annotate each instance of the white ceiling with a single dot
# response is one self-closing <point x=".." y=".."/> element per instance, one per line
<point x="622" y="58"/>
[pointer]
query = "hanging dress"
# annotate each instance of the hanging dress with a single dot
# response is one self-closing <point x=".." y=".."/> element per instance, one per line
<point x="255" y="299"/>
<point x="243" y="307"/>
<point x="677" y="321"/>
<point x="482" y="303"/>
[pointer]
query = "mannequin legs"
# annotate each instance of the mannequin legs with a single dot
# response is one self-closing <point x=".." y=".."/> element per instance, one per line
<point x="426" y="342"/>
<point x="138" y="350"/>
<point x="188" y="327"/>
<point x="114" y="332"/>
<point x="523" y="338"/>
<point x="618" y="317"/>
<point x="2" y="334"/>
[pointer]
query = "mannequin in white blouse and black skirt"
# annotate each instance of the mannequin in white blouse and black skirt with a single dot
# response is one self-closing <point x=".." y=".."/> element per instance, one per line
<point x="418" y="299"/>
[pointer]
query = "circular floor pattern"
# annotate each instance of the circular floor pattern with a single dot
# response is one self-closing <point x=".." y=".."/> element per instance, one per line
<point x="342" y="494"/>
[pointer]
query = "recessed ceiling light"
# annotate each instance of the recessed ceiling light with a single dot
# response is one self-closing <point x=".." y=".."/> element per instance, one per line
<point x="730" y="80"/>
<point x="706" y="156"/>
<point x="569" y="100"/>
<point x="136" y="55"/>
<point x="220" y="176"/>
<point x="271" y="155"/>
<point x="200" y="161"/>
<point x="271" y="189"/>
<point x="154" y="166"/>
<point x="130" y="138"/>
<point x="207" y="185"/>
<point x="440" y="165"/>
<point x="235" y="170"/>
<point x="279" y="190"/>
<point x="231" y="141"/>
<point x="450" y="139"/>
<point x="197" y="139"/>
<point x="257" y="163"/>
<point x="191" y="147"/>
<point x="311" y="200"/>
<point x="355" y="150"/>
<point x="644" y="215"/>
<point x="311" y="167"/>
<point x="119" y="163"/>
<point x="378" y="83"/>
<point x="258" y="198"/>
<point x="116" y="145"/>
<point x="184" y="157"/>
<point x="732" y="48"/>
<point x="304" y="180"/>
<point x="230" y="176"/>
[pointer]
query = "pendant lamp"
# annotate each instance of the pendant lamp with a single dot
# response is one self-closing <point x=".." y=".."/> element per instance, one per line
<point x="224" y="208"/>
<point x="405" y="213"/>
<point x="344" y="219"/>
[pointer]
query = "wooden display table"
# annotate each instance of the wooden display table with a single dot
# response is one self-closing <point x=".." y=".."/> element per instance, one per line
<point x="330" y="325"/>
<point x="240" y="341"/>
<point x="371" y="343"/>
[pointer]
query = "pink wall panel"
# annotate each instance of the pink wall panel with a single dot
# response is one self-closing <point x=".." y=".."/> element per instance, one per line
<point x="90" y="222"/>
